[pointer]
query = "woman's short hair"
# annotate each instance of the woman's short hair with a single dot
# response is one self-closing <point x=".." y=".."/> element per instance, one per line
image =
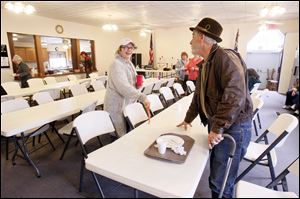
<point x="17" y="58"/>
<point x="252" y="73"/>
<point x="184" y="53"/>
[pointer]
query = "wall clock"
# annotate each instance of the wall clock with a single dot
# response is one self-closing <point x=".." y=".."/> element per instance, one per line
<point x="59" y="29"/>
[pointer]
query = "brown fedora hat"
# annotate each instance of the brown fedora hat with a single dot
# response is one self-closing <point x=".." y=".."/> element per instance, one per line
<point x="209" y="27"/>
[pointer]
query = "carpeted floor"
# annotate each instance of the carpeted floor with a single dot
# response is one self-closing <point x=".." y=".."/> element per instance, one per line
<point x="60" y="178"/>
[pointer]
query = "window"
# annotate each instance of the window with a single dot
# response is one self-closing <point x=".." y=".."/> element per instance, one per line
<point x="25" y="48"/>
<point x="56" y="55"/>
<point x="267" y="40"/>
<point x="51" y="55"/>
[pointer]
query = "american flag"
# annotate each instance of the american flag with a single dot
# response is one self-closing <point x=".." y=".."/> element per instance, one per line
<point x="151" y="54"/>
<point x="236" y="40"/>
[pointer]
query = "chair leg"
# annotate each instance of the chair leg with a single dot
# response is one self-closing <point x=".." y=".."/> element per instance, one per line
<point x="98" y="185"/>
<point x="49" y="141"/>
<point x="6" y="146"/>
<point x="272" y="171"/>
<point x="66" y="147"/>
<point x="55" y="130"/>
<point x="136" y="193"/>
<point x="33" y="141"/>
<point x="40" y="136"/>
<point x="81" y="174"/>
<point x="259" y="123"/>
<point x="255" y="128"/>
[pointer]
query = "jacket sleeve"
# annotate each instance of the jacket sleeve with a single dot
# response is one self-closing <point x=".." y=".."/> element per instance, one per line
<point x="193" y="111"/>
<point x="121" y="83"/>
<point x="232" y="82"/>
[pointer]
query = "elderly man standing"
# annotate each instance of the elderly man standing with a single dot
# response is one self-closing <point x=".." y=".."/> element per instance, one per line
<point x="223" y="102"/>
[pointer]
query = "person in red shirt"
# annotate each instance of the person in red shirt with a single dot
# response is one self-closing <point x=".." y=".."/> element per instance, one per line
<point x="192" y="69"/>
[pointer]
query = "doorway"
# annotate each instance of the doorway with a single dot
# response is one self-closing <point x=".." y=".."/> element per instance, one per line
<point x="264" y="54"/>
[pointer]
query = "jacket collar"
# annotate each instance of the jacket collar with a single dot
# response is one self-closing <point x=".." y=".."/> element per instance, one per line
<point x="212" y="52"/>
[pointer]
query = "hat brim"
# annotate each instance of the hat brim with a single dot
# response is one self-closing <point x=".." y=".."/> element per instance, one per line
<point x="124" y="44"/>
<point x="204" y="31"/>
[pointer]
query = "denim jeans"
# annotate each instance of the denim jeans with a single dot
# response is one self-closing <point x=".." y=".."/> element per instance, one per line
<point x="241" y="132"/>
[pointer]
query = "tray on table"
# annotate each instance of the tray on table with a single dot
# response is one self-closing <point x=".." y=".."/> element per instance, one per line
<point x="152" y="151"/>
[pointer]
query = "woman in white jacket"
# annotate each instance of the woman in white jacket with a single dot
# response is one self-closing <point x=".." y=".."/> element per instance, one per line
<point x="121" y="86"/>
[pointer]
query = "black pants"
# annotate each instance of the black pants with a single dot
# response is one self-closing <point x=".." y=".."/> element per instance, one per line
<point x="291" y="100"/>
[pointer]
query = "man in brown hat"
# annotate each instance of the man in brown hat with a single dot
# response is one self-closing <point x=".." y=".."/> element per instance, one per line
<point x="223" y="102"/>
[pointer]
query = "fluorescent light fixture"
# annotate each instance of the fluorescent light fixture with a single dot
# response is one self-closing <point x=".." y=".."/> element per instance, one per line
<point x="110" y="27"/>
<point x="264" y="12"/>
<point x="143" y="33"/>
<point x="19" y="7"/>
<point x="15" y="39"/>
<point x="272" y="11"/>
<point x="29" y="9"/>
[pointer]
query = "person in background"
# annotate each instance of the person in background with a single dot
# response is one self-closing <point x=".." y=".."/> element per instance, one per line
<point x="180" y="69"/>
<point x="86" y="62"/>
<point x="121" y="86"/>
<point x="253" y="78"/>
<point x="292" y="98"/>
<point x="223" y="102"/>
<point x="23" y="71"/>
<point x="192" y="69"/>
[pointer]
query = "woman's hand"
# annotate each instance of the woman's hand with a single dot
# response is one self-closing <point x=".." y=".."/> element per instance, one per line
<point x="147" y="106"/>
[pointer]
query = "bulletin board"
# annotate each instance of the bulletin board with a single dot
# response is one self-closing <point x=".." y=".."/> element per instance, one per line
<point x="4" y="57"/>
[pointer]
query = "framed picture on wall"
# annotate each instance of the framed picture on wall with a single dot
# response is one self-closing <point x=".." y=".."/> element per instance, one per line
<point x="4" y="57"/>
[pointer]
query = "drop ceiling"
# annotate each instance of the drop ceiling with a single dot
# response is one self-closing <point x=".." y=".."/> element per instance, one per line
<point x="131" y="15"/>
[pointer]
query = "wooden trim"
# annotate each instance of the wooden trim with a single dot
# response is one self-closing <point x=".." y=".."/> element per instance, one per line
<point x="94" y="68"/>
<point x="38" y="53"/>
<point x="75" y="53"/>
<point x="12" y="50"/>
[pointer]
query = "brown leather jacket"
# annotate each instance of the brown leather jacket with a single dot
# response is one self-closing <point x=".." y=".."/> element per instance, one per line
<point x="227" y="99"/>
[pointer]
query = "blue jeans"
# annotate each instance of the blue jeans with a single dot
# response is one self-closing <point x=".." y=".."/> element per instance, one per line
<point x="241" y="132"/>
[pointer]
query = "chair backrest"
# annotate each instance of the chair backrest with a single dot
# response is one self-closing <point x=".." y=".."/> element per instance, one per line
<point x="54" y="92"/>
<point x="72" y="78"/>
<point x="103" y="79"/>
<point x="167" y="93"/>
<point x="35" y="82"/>
<point x="78" y="89"/>
<point x="294" y="167"/>
<point x="255" y="87"/>
<point x="178" y="89"/>
<point x="190" y="85"/>
<point x="13" y="105"/>
<point x="93" y="124"/>
<point x="157" y="85"/>
<point x="97" y="85"/>
<point x="284" y="122"/>
<point x="42" y="97"/>
<point x="10" y="86"/>
<point x="155" y="103"/>
<point x="170" y="82"/>
<point x="50" y="80"/>
<point x="148" y="89"/>
<point x="135" y="113"/>
<point x="93" y="75"/>
<point x="257" y="105"/>
<point x="89" y="107"/>
<point x="6" y="98"/>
